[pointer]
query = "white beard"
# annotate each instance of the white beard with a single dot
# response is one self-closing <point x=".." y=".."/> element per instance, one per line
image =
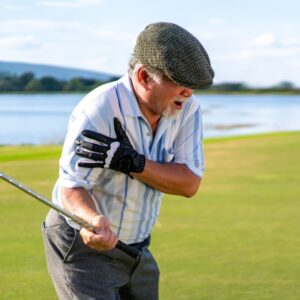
<point x="169" y="113"/>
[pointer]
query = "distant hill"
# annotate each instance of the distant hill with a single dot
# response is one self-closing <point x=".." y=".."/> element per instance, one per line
<point x="62" y="73"/>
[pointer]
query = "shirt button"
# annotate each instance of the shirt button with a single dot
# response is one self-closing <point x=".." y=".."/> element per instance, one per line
<point x="148" y="133"/>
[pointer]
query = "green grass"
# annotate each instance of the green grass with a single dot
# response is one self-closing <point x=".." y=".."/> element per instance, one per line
<point x="238" y="238"/>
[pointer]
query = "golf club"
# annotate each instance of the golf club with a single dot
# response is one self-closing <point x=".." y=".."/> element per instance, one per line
<point x="76" y="219"/>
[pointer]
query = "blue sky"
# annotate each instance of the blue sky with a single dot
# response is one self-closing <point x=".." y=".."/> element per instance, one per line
<point x="256" y="42"/>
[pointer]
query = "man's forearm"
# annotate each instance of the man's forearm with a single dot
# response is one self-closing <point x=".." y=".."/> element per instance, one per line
<point x="79" y="202"/>
<point x="170" y="178"/>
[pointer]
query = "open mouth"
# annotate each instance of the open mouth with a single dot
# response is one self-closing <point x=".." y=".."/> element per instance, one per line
<point x="179" y="103"/>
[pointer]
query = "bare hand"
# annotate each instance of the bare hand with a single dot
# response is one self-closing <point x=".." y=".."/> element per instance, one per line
<point x="103" y="239"/>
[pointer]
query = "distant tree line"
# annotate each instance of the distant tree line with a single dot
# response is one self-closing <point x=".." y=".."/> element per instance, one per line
<point x="29" y="83"/>
<point x="240" y="87"/>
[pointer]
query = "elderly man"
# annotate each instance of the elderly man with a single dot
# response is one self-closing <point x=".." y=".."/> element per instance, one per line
<point x="128" y="142"/>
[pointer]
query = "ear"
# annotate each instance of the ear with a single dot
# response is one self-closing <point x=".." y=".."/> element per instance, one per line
<point x="143" y="78"/>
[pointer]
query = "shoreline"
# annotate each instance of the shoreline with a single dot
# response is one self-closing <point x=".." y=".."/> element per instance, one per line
<point x="197" y="92"/>
<point x="206" y="139"/>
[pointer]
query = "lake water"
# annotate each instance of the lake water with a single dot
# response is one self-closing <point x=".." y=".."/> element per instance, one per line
<point x="42" y="119"/>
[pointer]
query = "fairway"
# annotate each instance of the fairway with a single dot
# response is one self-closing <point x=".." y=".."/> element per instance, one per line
<point x="237" y="239"/>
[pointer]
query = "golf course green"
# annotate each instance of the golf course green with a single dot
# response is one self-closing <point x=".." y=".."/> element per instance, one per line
<point x="237" y="239"/>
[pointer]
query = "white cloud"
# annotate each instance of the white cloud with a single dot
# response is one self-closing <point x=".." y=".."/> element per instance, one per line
<point x="112" y="35"/>
<point x="266" y="39"/>
<point x="280" y="53"/>
<point x="96" y="63"/>
<point x="35" y="25"/>
<point x="63" y="29"/>
<point x="264" y="48"/>
<point x="105" y="33"/>
<point x="21" y="25"/>
<point x="216" y="21"/>
<point x="71" y="4"/>
<point x="13" y="7"/>
<point x="19" y="42"/>
<point x="267" y="54"/>
<point x="290" y="41"/>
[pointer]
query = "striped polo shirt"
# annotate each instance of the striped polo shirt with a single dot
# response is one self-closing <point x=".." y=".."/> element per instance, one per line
<point x="131" y="206"/>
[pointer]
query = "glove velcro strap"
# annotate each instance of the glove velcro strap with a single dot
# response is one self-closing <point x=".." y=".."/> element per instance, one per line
<point x="139" y="163"/>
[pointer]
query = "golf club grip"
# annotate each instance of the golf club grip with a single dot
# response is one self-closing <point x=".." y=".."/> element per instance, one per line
<point x="120" y="245"/>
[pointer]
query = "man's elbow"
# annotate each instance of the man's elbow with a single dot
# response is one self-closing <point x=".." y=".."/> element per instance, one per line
<point x="192" y="188"/>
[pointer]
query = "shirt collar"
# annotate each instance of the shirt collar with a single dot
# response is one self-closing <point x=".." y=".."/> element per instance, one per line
<point x="127" y="97"/>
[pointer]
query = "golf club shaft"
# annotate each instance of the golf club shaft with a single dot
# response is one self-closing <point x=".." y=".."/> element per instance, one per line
<point x="76" y="219"/>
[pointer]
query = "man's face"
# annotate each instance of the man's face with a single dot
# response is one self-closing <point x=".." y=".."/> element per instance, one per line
<point x="166" y="98"/>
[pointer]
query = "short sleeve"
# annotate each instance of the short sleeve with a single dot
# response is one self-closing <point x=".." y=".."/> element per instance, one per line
<point x="188" y="145"/>
<point x="70" y="174"/>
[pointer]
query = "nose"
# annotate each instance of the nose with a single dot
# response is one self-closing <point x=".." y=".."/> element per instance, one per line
<point x="186" y="93"/>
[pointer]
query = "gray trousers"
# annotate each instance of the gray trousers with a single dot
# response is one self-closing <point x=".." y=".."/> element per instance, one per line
<point x="80" y="272"/>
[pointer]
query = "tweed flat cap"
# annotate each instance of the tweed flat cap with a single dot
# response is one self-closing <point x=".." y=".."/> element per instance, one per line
<point x="177" y="53"/>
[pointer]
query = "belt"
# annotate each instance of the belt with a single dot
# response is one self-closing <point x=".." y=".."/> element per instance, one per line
<point x="141" y="245"/>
